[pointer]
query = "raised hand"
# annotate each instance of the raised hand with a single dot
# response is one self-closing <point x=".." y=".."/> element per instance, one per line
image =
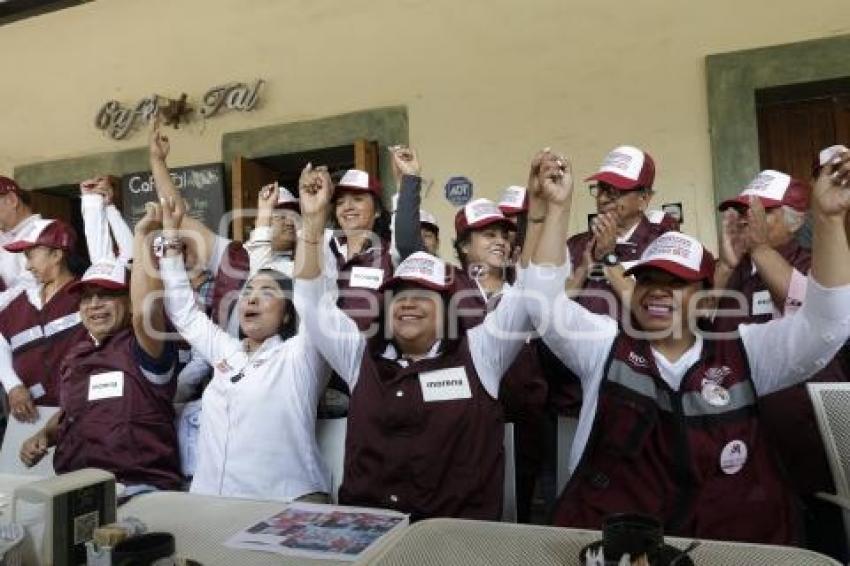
<point x="151" y="221"/>
<point x="99" y="185"/>
<point x="405" y="162"/>
<point x="831" y="196"/>
<point x="159" y="144"/>
<point x="732" y="239"/>
<point x="172" y="215"/>
<point x="267" y="198"/>
<point x="315" y="191"/>
<point x="556" y="179"/>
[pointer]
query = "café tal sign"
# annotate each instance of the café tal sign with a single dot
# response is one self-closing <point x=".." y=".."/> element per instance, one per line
<point x="118" y="120"/>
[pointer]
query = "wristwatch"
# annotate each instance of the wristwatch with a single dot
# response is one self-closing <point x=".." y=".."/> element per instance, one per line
<point x="610" y="259"/>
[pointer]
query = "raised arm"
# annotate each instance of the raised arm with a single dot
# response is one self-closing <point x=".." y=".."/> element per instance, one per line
<point x="789" y="350"/>
<point x="194" y="326"/>
<point x="407" y="235"/>
<point x="95" y="224"/>
<point x="146" y="288"/>
<point x="201" y="237"/>
<point x="259" y="245"/>
<point x="773" y="269"/>
<point x="333" y="333"/>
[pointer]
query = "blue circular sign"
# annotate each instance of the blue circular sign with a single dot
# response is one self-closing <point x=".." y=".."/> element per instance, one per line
<point x="458" y="191"/>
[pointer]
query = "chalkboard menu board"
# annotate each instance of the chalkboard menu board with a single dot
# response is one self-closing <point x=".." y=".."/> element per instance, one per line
<point x="201" y="185"/>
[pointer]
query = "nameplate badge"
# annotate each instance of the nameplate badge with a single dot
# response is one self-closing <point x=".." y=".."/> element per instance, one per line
<point x="366" y="277"/>
<point x="106" y="385"/>
<point x="445" y="385"/>
<point x="762" y="303"/>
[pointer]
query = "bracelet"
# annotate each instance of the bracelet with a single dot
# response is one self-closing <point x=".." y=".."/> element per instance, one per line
<point x="162" y="245"/>
<point x="307" y="241"/>
<point x="537" y="220"/>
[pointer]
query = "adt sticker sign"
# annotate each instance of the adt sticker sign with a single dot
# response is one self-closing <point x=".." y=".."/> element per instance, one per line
<point x="458" y="191"/>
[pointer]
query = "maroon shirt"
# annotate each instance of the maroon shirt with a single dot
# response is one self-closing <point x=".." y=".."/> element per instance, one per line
<point x="228" y="282"/>
<point x="429" y="459"/>
<point x="358" y="279"/>
<point x="787" y="416"/>
<point x="131" y="435"/>
<point x="39" y="339"/>
<point x="704" y="469"/>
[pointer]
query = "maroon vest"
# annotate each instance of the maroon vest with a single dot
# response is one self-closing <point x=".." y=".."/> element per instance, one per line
<point x="229" y="280"/>
<point x="564" y="387"/>
<point x="40" y="338"/>
<point x="429" y="459"/>
<point x="133" y="435"/>
<point x="678" y="457"/>
<point x="357" y="302"/>
<point x="787" y="416"/>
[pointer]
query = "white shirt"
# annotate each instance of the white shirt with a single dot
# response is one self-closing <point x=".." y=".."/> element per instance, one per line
<point x="781" y="353"/>
<point x="99" y="220"/>
<point x="493" y="344"/>
<point x="261" y="256"/>
<point x="13" y="266"/>
<point x="258" y="435"/>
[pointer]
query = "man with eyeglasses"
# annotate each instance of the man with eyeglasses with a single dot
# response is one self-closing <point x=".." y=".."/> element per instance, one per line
<point x="619" y="233"/>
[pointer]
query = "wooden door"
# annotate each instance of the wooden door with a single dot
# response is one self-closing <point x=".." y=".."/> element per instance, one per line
<point x="248" y="178"/>
<point x="791" y="133"/>
<point x="50" y="205"/>
<point x="366" y="157"/>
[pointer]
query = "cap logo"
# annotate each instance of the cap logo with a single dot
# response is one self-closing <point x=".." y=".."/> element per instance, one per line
<point x="617" y="160"/>
<point x="513" y="196"/>
<point x="355" y="178"/>
<point x="479" y="209"/>
<point x="671" y="245"/>
<point x="416" y="266"/>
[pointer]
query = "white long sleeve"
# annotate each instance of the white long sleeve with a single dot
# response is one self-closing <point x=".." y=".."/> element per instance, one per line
<point x="122" y="234"/>
<point x="213" y="343"/>
<point x="259" y="248"/>
<point x="495" y="343"/>
<point x="791" y="349"/>
<point x="331" y="330"/>
<point x="8" y="377"/>
<point x="96" y="228"/>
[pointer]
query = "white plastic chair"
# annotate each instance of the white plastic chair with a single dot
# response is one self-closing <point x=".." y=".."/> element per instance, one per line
<point x="564" y="433"/>
<point x="509" y="512"/>
<point x="330" y="435"/>
<point x="16" y="434"/>
<point x="831" y="402"/>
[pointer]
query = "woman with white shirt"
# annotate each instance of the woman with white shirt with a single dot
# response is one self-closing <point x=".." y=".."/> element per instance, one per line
<point x="669" y="424"/>
<point x="257" y="433"/>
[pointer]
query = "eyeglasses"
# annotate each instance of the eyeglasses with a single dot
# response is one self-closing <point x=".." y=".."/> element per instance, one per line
<point x="606" y="190"/>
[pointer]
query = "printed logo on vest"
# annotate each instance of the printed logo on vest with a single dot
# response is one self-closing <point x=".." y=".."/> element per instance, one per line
<point x="638" y="360"/>
<point x="717" y="375"/>
<point x="733" y="457"/>
<point x="714" y="394"/>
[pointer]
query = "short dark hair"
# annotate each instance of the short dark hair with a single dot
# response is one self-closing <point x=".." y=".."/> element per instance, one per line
<point x="383" y="223"/>
<point x="289" y="325"/>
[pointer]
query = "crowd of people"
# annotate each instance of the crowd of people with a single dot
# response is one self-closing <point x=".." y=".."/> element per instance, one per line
<point x="182" y="359"/>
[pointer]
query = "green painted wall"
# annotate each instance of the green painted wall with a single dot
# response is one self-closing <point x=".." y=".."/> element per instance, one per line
<point x="72" y="171"/>
<point x="733" y="79"/>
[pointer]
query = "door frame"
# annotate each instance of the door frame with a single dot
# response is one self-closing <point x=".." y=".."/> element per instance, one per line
<point x="732" y="81"/>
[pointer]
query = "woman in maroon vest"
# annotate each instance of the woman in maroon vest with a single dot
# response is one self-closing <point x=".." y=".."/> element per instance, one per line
<point x="116" y="387"/>
<point x="39" y="324"/>
<point x="669" y="425"/>
<point x="424" y="426"/>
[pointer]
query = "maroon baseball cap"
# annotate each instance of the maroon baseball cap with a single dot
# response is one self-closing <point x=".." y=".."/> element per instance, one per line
<point x="286" y="201"/>
<point x="419" y="269"/>
<point x="479" y="214"/>
<point x="8" y="185"/>
<point x="773" y="189"/>
<point x="626" y="168"/>
<point x="677" y="254"/>
<point x="514" y="200"/>
<point x="355" y="180"/>
<point x="48" y="233"/>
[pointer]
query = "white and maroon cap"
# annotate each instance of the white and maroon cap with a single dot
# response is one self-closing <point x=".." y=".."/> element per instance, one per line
<point x="825" y="156"/>
<point x="514" y="200"/>
<point x="428" y="219"/>
<point x="678" y="254"/>
<point x="359" y="181"/>
<point x="8" y="185"/>
<point x="285" y="200"/>
<point x="419" y="269"/>
<point x="626" y="168"/>
<point x="104" y="274"/>
<point x="48" y="233"/>
<point x="774" y="189"/>
<point x="479" y="214"/>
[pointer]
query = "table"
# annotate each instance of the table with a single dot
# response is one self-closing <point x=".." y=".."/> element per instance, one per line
<point x="200" y="525"/>
<point x="479" y="543"/>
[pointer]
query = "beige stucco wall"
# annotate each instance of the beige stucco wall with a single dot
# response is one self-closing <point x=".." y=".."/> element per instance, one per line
<point x="486" y="82"/>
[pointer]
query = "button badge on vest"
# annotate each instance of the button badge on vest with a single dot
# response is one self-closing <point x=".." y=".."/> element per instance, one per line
<point x="733" y="457"/>
<point x="714" y="394"/>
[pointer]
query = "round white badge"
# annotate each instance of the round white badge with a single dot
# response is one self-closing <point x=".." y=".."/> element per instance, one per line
<point x="733" y="457"/>
<point x="716" y="395"/>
